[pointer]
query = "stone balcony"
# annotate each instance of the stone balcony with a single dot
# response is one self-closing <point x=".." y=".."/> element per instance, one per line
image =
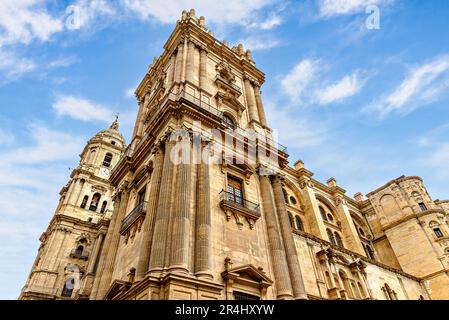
<point x="135" y="216"/>
<point x="240" y="208"/>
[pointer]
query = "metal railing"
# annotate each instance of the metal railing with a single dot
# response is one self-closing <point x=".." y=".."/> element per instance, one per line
<point x="200" y="103"/>
<point x="231" y="198"/>
<point x="135" y="213"/>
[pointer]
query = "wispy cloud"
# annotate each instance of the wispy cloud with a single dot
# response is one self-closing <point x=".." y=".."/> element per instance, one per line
<point x="423" y="84"/>
<point x="13" y="67"/>
<point x="347" y="87"/>
<point x="81" y="109"/>
<point x="218" y="12"/>
<point x="330" y="8"/>
<point x="21" y="21"/>
<point x="299" y="78"/>
<point x="256" y="43"/>
<point x="83" y="13"/>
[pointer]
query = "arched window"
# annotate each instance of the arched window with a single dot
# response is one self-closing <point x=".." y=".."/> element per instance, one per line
<point x="323" y="213"/>
<point x="361" y="290"/>
<point x="299" y="225"/>
<point x="285" y="195"/>
<point x="68" y="288"/>
<point x="103" y="206"/>
<point x="362" y="233"/>
<point x="94" y="203"/>
<point x="338" y="240"/>
<point x="84" y="202"/>
<point x="346" y="285"/>
<point x="290" y="218"/>
<point x="228" y="121"/>
<point x="369" y="252"/>
<point x="79" y="250"/>
<point x="107" y="160"/>
<point x="330" y="236"/>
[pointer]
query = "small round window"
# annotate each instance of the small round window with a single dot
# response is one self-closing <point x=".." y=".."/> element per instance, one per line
<point x="293" y="200"/>
<point x="330" y="217"/>
<point x="113" y="143"/>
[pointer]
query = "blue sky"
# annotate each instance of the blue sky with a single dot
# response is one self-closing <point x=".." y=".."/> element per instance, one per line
<point x="361" y="105"/>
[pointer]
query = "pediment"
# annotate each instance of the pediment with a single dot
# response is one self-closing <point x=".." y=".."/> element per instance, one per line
<point x="247" y="272"/>
<point x="230" y="100"/>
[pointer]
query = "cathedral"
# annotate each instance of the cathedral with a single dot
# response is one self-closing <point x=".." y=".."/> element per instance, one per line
<point x="203" y="203"/>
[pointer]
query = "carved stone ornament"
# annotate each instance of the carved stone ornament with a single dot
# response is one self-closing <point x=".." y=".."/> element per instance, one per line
<point x="224" y="70"/>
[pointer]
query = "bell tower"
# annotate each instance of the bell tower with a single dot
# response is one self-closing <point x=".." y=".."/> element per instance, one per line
<point x="85" y="206"/>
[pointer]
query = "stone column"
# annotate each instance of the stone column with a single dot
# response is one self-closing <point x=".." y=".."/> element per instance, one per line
<point x="162" y="217"/>
<point x="70" y="192"/>
<point x="184" y="60"/>
<point x="203" y="70"/>
<point x="178" y="64"/>
<point x="312" y="209"/>
<point x="262" y="117"/>
<point x="350" y="235"/>
<point x="190" y="62"/>
<point x="93" y="258"/>
<point x="278" y="258"/>
<point x="203" y="223"/>
<point x="148" y="226"/>
<point x="294" y="268"/>
<point x="250" y="100"/>
<point x="114" y="239"/>
<point x="138" y="118"/>
<point x="179" y="254"/>
<point x="80" y="194"/>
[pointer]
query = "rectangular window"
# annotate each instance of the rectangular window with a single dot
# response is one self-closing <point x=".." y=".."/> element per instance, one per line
<point x="141" y="196"/>
<point x="422" y="206"/>
<point x="234" y="189"/>
<point x="438" y="232"/>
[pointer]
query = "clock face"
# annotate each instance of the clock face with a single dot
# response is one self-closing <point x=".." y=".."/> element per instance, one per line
<point x="104" y="172"/>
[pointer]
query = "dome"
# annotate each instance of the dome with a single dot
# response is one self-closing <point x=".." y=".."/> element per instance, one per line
<point x="112" y="135"/>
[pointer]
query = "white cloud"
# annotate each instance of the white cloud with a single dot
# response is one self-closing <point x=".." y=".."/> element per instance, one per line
<point x="82" y="109"/>
<point x="83" y="13"/>
<point x="49" y="146"/>
<point x="219" y="12"/>
<point x="13" y="67"/>
<point x="329" y="8"/>
<point x="23" y="20"/>
<point x="259" y="43"/>
<point x="269" y="23"/>
<point x="423" y="85"/>
<point x="293" y="131"/>
<point x="345" y="88"/>
<point x="129" y="93"/>
<point x="299" y="78"/>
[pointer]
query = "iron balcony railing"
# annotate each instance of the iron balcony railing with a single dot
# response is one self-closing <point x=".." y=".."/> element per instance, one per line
<point x="243" y="134"/>
<point x="232" y="199"/>
<point x="133" y="216"/>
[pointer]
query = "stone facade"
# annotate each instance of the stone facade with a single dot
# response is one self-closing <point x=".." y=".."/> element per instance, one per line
<point x="247" y="226"/>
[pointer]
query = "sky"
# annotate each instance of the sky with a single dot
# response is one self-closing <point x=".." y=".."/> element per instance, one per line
<point x="357" y="89"/>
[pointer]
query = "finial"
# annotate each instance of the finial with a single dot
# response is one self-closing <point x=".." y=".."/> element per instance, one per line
<point x="114" y="124"/>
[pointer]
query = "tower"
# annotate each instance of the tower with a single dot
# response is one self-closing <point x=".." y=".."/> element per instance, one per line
<point x="205" y="205"/>
<point x="85" y="206"/>
<point x="415" y="230"/>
